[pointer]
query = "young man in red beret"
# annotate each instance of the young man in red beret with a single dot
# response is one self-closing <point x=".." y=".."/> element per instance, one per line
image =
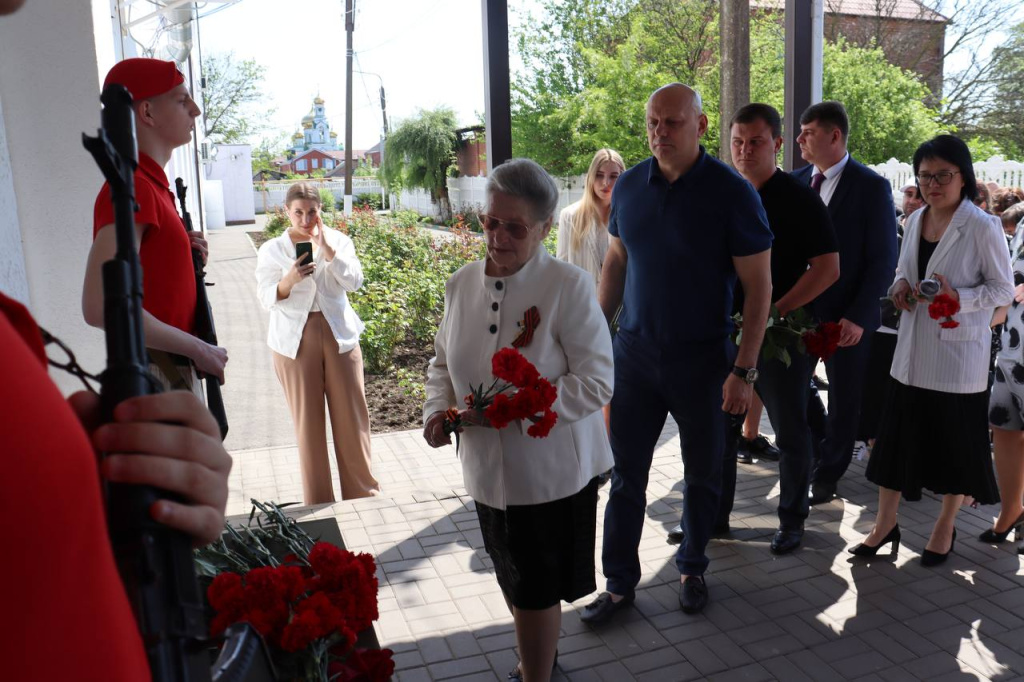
<point x="164" y="118"/>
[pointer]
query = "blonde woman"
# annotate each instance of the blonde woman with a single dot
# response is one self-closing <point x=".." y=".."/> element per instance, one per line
<point x="314" y="334"/>
<point x="583" y="226"/>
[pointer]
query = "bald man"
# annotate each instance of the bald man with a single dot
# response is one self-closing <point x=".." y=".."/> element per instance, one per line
<point x="683" y="226"/>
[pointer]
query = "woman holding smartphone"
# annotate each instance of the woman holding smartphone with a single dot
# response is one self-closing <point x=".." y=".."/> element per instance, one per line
<point x="303" y="279"/>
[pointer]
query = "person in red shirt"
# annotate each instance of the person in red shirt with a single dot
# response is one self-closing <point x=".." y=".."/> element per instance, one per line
<point x="164" y="119"/>
<point x="61" y="586"/>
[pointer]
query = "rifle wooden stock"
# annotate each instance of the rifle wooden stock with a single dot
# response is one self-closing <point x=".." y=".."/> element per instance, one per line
<point x="204" y="325"/>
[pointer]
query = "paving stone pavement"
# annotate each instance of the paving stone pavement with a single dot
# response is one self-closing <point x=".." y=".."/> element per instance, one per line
<point x="818" y="614"/>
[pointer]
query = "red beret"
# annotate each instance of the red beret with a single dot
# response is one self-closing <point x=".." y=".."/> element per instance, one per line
<point x="145" y="77"/>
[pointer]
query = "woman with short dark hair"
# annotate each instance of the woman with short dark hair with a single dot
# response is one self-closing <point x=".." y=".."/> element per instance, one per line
<point x="934" y="428"/>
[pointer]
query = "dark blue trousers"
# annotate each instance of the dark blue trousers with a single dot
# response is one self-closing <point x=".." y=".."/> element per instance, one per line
<point x="846" y="370"/>
<point x="651" y="383"/>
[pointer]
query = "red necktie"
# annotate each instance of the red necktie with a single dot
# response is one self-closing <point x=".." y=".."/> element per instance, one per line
<point x="816" y="181"/>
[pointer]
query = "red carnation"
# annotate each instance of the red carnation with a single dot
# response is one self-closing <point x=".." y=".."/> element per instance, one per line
<point x="508" y="364"/>
<point x="543" y="427"/>
<point x="501" y="412"/>
<point x="824" y="340"/>
<point x="949" y="324"/>
<point x="943" y="305"/>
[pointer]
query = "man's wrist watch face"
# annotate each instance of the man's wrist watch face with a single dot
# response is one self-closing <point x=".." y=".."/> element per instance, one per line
<point x="748" y="374"/>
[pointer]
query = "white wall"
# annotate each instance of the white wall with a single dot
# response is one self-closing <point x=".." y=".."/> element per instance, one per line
<point x="49" y="87"/>
<point x="233" y="167"/>
<point x="13" y="280"/>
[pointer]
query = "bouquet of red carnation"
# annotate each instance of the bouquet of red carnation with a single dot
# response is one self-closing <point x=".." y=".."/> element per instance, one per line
<point x="308" y="606"/>
<point x="944" y="306"/>
<point x="526" y="395"/>
<point x="823" y="340"/>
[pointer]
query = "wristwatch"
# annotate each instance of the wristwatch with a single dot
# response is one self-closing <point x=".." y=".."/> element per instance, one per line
<point x="748" y="374"/>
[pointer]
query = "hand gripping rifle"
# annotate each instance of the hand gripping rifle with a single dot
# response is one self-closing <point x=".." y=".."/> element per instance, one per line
<point x="155" y="562"/>
<point x="204" y="318"/>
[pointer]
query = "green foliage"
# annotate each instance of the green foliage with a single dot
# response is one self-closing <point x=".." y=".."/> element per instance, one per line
<point x="590" y="67"/>
<point x="364" y="169"/>
<point x="368" y="200"/>
<point x="327" y="201"/>
<point x="232" y="88"/>
<point x="405" y="270"/>
<point x="1004" y="120"/>
<point x="419" y="153"/>
<point x="412" y="383"/>
<point x="277" y="223"/>
<point x="886" y="104"/>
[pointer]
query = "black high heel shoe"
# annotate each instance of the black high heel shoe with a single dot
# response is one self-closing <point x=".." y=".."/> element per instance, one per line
<point x="930" y="558"/>
<point x="893" y="536"/>
<point x="517" y="674"/>
<point x="992" y="536"/>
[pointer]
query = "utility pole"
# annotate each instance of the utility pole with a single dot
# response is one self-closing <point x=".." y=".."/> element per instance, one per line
<point x="350" y="25"/>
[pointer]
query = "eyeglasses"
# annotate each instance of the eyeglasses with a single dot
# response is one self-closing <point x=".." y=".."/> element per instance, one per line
<point x="514" y="230"/>
<point x="942" y="177"/>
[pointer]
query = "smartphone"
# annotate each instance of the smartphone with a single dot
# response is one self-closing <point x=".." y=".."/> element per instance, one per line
<point x="304" y="249"/>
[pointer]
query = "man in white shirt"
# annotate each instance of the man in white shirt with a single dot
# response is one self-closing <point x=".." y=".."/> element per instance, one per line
<point x="860" y="204"/>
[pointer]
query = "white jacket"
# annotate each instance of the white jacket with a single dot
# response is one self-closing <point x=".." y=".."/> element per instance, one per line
<point x="590" y="255"/>
<point x="327" y="286"/>
<point x="571" y="347"/>
<point x="972" y="256"/>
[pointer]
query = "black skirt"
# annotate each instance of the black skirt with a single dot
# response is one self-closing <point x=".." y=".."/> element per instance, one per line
<point x="543" y="553"/>
<point x="877" y="384"/>
<point x="934" y="440"/>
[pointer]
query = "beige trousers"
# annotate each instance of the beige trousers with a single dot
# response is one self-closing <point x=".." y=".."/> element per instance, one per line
<point x="318" y="370"/>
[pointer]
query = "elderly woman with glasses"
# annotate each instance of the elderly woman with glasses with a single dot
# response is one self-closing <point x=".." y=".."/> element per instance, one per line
<point x="934" y="428"/>
<point x="536" y="498"/>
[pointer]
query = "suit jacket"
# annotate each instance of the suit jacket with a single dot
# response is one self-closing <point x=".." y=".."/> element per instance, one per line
<point x="571" y="347"/>
<point x="865" y="223"/>
<point x="972" y="256"/>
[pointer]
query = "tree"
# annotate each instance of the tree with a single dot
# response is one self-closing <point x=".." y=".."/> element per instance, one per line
<point x="265" y="152"/>
<point x="229" y="88"/>
<point x="1004" y="121"/>
<point x="419" y="153"/>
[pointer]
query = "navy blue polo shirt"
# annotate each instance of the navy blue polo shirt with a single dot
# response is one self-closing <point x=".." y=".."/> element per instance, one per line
<point x="680" y="239"/>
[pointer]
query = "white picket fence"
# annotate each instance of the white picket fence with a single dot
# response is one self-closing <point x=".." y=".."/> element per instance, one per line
<point x="269" y="195"/>
<point x="467" y="193"/>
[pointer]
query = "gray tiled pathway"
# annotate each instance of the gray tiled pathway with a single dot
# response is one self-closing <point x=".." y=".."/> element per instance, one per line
<point x="815" y="615"/>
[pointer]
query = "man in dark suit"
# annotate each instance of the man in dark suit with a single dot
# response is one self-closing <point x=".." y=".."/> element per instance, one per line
<point x="860" y="204"/>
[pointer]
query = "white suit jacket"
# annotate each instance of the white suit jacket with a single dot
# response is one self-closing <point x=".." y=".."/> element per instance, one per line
<point x="972" y="256"/>
<point x="571" y="347"/>
<point x="590" y="255"/>
<point x="328" y="287"/>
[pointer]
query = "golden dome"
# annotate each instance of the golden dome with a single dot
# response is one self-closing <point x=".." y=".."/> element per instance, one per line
<point x="318" y="100"/>
<point x="334" y="134"/>
<point x="307" y="125"/>
<point x="297" y="136"/>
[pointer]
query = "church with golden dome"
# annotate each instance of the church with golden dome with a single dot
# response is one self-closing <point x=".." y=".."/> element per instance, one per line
<point x="316" y="132"/>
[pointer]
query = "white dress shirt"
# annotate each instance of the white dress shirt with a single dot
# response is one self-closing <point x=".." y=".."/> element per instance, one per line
<point x="326" y="288"/>
<point x="972" y="256"/>
<point x="590" y="254"/>
<point x="571" y="347"/>
<point x="832" y="175"/>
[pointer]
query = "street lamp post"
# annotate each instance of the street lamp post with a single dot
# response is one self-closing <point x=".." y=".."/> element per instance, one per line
<point x="384" y="116"/>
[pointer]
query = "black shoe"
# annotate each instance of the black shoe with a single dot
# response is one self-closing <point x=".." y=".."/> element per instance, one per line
<point x="676" y="535"/>
<point x="822" y="492"/>
<point x="786" y="540"/>
<point x="603" y="608"/>
<point x="930" y="558"/>
<point x="757" y="448"/>
<point x="516" y="675"/>
<point x="819" y="383"/>
<point x="893" y="536"/>
<point x="992" y="536"/>
<point x="693" y="595"/>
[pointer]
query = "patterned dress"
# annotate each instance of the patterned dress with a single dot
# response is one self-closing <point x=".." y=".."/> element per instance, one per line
<point x="1006" y="404"/>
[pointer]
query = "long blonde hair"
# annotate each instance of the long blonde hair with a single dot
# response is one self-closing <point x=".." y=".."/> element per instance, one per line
<point x="589" y="213"/>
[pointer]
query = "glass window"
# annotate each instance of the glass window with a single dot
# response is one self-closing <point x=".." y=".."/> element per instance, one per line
<point x="300" y="165"/>
<point x="316" y="163"/>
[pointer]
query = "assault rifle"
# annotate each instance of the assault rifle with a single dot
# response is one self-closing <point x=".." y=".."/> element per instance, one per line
<point x="204" y="318"/>
<point x="155" y="562"/>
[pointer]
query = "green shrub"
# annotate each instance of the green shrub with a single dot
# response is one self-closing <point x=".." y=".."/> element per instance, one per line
<point x="368" y="200"/>
<point x="277" y="223"/>
<point x="326" y="200"/>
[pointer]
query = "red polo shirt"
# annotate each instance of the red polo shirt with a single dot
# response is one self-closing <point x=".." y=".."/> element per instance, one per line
<point x="68" y="614"/>
<point x="168" y="280"/>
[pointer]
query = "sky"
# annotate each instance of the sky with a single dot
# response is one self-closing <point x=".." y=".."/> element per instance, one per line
<point x="427" y="53"/>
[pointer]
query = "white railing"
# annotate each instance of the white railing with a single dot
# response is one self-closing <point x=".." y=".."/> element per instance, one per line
<point x="270" y="194"/>
<point x="467" y="193"/>
<point x="997" y="169"/>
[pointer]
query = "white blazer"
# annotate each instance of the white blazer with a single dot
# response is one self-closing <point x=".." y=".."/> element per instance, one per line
<point x="328" y="287"/>
<point x="590" y="255"/>
<point x="972" y="256"/>
<point x="571" y="347"/>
